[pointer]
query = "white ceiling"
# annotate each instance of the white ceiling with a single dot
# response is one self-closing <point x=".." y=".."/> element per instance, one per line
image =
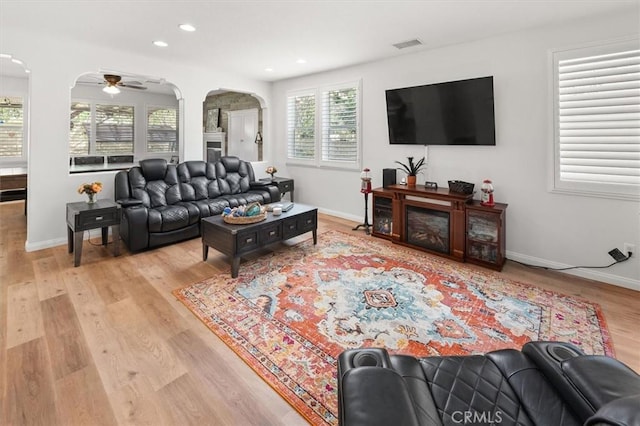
<point x="245" y="37"/>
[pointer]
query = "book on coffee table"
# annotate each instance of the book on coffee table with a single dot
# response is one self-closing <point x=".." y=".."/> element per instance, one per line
<point x="286" y="206"/>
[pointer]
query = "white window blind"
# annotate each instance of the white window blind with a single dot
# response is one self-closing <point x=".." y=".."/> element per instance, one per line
<point x="100" y="129"/>
<point x="11" y="127"/>
<point x="340" y="125"/>
<point x="301" y="126"/>
<point x="80" y="128"/>
<point x="598" y="119"/>
<point x="162" y="129"/>
<point x="114" y="129"/>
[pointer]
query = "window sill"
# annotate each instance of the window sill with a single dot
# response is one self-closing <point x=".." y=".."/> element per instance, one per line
<point x="96" y="168"/>
<point x="597" y="194"/>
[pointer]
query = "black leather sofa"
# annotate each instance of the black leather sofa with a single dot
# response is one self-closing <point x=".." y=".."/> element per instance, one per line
<point x="163" y="203"/>
<point x="547" y="383"/>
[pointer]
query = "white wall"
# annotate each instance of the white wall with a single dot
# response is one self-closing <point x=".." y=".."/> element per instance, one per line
<point x="55" y="64"/>
<point x="542" y="228"/>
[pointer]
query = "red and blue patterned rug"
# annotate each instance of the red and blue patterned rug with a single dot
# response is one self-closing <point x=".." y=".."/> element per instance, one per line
<point x="290" y="313"/>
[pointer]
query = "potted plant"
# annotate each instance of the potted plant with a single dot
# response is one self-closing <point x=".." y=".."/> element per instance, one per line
<point x="412" y="169"/>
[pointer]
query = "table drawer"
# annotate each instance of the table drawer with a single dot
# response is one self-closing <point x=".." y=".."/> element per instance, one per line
<point x="308" y="221"/>
<point x="299" y="225"/>
<point x="286" y="186"/>
<point x="97" y="219"/>
<point x="271" y="234"/>
<point x="247" y="241"/>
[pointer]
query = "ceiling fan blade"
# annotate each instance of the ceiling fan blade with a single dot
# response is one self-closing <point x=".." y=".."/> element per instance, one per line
<point x="132" y="87"/>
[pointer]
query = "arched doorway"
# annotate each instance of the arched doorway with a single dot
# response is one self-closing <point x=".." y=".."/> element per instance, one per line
<point x="233" y="125"/>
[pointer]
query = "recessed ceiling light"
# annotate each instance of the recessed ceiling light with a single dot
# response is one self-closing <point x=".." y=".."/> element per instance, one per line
<point x="268" y="69"/>
<point x="301" y="61"/>
<point x="16" y="61"/>
<point x="5" y="56"/>
<point x="187" y="27"/>
<point x="160" y="43"/>
<point x="27" y="71"/>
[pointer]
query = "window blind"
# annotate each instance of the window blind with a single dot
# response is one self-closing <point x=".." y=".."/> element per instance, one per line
<point x="114" y="129"/>
<point x="301" y="123"/>
<point x="598" y="115"/>
<point x="162" y="129"/>
<point x="80" y="128"/>
<point x="340" y="125"/>
<point x="11" y="127"/>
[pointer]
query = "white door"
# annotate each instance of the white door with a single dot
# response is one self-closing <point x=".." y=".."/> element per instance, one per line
<point x="243" y="126"/>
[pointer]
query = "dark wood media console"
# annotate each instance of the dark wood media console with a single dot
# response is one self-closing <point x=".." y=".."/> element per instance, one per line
<point x="438" y="221"/>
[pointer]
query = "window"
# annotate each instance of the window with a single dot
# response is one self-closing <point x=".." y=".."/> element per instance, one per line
<point x="301" y="126"/>
<point x="597" y="120"/>
<point x="162" y="129"/>
<point x="331" y="112"/>
<point x="11" y="128"/>
<point x="340" y="125"/>
<point x="101" y="129"/>
<point x="80" y="128"/>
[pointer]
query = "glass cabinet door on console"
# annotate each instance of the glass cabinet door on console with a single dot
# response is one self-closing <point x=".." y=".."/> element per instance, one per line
<point x="485" y="244"/>
<point x="382" y="215"/>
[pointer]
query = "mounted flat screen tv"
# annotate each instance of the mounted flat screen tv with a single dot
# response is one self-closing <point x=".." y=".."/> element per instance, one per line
<point x="451" y="113"/>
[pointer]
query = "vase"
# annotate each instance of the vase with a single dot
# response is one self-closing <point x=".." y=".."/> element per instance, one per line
<point x="92" y="198"/>
<point x="273" y="178"/>
<point x="411" y="180"/>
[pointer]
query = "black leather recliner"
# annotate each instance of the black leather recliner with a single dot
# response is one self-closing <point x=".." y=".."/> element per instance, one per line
<point x="547" y="383"/>
<point x="163" y="203"/>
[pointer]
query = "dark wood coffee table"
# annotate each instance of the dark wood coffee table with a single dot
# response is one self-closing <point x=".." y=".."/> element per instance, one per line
<point x="236" y="240"/>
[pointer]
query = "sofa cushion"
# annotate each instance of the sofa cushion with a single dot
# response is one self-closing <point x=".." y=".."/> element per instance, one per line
<point x="169" y="218"/>
<point x="233" y="175"/>
<point x="198" y="180"/>
<point x="472" y="384"/>
<point x="153" y="168"/>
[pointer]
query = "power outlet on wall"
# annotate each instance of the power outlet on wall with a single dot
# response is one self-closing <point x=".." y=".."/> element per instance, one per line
<point x="628" y="248"/>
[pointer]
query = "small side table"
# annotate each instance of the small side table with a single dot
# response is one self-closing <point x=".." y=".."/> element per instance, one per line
<point x="83" y="216"/>
<point x="284" y="185"/>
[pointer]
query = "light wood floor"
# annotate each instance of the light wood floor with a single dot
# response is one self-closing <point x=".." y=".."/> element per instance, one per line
<point x="106" y="343"/>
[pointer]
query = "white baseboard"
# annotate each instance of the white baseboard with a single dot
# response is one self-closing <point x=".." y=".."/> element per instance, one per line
<point x="341" y="215"/>
<point x="41" y="245"/>
<point x="579" y="272"/>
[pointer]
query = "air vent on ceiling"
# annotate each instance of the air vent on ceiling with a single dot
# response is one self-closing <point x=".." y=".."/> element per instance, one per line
<point x="408" y="43"/>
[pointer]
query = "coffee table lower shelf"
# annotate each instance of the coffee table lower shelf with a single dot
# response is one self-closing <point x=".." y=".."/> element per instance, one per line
<point x="237" y="240"/>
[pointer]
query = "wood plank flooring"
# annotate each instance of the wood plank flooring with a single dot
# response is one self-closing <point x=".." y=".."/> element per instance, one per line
<point x="107" y="344"/>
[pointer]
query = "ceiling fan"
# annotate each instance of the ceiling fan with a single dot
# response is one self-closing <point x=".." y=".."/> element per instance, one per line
<point x="112" y="83"/>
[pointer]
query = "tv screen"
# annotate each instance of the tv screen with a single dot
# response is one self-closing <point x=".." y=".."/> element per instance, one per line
<point x="451" y="113"/>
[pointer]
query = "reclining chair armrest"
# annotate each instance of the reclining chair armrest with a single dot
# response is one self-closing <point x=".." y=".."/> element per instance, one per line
<point x="375" y="396"/>
<point x="601" y="380"/>
<point x="129" y="202"/>
<point x="257" y="184"/>
<point x="619" y="412"/>
<point x="271" y="188"/>
<point x="134" y="227"/>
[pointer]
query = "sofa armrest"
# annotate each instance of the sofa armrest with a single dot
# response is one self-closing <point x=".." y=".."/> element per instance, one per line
<point x="600" y="379"/>
<point x="129" y="202"/>
<point x="134" y="228"/>
<point x="620" y="412"/>
<point x="257" y="184"/>
<point x="375" y="396"/>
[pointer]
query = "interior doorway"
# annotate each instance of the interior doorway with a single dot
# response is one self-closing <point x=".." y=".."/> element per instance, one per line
<point x="243" y="128"/>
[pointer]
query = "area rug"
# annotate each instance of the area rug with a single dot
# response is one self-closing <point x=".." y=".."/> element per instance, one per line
<point x="290" y="313"/>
